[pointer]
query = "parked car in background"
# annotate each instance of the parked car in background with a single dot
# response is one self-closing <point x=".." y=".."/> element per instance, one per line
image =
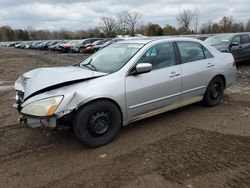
<point x="21" y="45"/>
<point x="122" y="83"/>
<point x="56" y="47"/>
<point x="34" y="45"/>
<point x="65" y="47"/>
<point x="10" y="44"/>
<point x="111" y="41"/>
<point x="79" y="47"/>
<point x="27" y="45"/>
<point x="31" y="44"/>
<point x="100" y="46"/>
<point x="49" y="43"/>
<point x="236" y="43"/>
<point x="41" y="45"/>
<point x="93" y="47"/>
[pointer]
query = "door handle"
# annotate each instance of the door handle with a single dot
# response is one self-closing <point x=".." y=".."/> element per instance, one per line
<point x="173" y="74"/>
<point x="210" y="65"/>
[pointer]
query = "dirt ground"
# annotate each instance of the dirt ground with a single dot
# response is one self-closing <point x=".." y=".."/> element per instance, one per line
<point x="193" y="146"/>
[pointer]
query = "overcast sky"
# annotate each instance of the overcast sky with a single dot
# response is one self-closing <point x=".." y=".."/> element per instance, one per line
<point x="76" y="14"/>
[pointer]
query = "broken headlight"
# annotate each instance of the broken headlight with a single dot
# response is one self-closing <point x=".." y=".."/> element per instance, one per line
<point x="44" y="107"/>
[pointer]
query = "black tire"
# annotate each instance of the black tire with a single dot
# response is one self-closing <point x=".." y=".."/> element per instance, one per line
<point x="96" y="124"/>
<point x="215" y="92"/>
<point x="80" y="50"/>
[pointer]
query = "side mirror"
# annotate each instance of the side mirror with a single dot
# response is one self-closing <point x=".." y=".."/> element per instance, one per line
<point x="143" y="68"/>
<point x="235" y="43"/>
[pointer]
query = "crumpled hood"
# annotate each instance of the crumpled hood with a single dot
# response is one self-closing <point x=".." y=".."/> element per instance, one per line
<point x="42" y="78"/>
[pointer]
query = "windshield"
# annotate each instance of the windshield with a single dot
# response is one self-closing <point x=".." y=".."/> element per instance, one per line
<point x="111" y="58"/>
<point x="218" y="40"/>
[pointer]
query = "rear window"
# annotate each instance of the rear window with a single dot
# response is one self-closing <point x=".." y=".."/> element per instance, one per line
<point x="207" y="53"/>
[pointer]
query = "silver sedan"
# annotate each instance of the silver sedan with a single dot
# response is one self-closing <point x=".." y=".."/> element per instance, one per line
<point x="122" y="83"/>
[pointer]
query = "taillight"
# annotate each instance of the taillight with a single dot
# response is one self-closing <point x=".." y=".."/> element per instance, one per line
<point x="234" y="62"/>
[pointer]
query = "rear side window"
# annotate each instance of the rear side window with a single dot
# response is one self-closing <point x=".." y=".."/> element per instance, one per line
<point x="207" y="53"/>
<point x="160" y="56"/>
<point x="190" y="51"/>
<point x="244" y="39"/>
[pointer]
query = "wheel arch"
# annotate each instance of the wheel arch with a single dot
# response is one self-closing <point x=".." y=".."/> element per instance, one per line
<point x="223" y="79"/>
<point x="103" y="99"/>
<point x="220" y="76"/>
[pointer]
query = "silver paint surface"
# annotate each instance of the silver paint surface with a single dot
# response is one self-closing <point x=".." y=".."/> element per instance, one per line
<point x="136" y="95"/>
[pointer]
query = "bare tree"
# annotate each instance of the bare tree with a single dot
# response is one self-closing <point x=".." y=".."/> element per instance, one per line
<point x="109" y="25"/>
<point x="130" y="19"/>
<point x="226" y="24"/>
<point x="196" y="17"/>
<point x="121" y="23"/>
<point x="247" y="28"/>
<point x="208" y="27"/>
<point x="237" y="27"/>
<point x="185" y="18"/>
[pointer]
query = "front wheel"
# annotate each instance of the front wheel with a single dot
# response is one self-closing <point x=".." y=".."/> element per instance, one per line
<point x="80" y="50"/>
<point x="215" y="92"/>
<point x="97" y="123"/>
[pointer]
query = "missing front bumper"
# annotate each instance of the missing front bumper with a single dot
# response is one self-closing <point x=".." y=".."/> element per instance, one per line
<point x="35" y="123"/>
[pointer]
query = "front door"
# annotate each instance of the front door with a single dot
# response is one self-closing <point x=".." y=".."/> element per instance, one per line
<point x="245" y="45"/>
<point x="158" y="88"/>
<point x="240" y="47"/>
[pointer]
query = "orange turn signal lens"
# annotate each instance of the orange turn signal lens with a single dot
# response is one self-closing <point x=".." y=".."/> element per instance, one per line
<point x="51" y="110"/>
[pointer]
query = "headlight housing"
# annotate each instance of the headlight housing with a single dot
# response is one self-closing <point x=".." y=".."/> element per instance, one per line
<point x="44" y="107"/>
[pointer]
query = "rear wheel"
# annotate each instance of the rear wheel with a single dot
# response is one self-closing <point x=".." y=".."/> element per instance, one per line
<point x="97" y="123"/>
<point x="215" y="92"/>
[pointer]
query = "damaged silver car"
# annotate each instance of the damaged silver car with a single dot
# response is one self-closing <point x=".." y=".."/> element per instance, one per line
<point x="123" y="83"/>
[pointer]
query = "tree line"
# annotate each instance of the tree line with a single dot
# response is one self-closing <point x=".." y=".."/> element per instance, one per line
<point x="130" y="23"/>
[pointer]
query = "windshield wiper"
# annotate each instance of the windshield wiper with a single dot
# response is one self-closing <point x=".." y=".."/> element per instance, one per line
<point x="84" y="65"/>
<point x="92" y="67"/>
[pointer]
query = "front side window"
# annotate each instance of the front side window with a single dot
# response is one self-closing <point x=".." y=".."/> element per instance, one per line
<point x="111" y="58"/>
<point x="236" y="40"/>
<point x="190" y="51"/>
<point x="160" y="56"/>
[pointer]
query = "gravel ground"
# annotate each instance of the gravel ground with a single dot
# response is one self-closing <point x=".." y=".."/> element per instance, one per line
<point x="193" y="146"/>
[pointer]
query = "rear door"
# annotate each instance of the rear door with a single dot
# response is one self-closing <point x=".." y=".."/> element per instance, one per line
<point x="197" y="66"/>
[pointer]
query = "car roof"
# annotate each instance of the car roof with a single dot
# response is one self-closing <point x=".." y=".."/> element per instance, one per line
<point x="146" y="40"/>
<point x="230" y="34"/>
